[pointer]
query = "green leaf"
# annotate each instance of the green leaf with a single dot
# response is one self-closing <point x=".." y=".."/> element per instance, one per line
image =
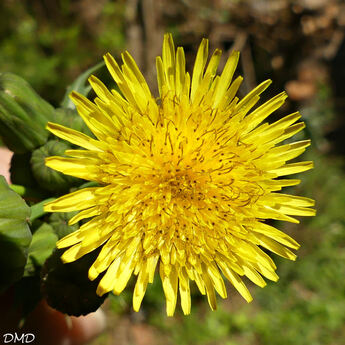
<point x="42" y="245"/>
<point x="67" y="287"/>
<point x="27" y="295"/>
<point x="79" y="86"/>
<point x="15" y="235"/>
<point x="59" y="222"/>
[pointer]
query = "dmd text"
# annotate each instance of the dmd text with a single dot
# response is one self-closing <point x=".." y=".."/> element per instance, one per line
<point x="24" y="338"/>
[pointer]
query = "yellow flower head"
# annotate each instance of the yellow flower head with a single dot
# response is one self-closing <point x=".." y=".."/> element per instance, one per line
<point x="186" y="182"/>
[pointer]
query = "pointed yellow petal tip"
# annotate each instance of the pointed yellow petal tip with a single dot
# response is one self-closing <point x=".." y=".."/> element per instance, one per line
<point x="92" y="78"/>
<point x="214" y="307"/>
<point x="67" y="258"/>
<point x="170" y="310"/>
<point x="59" y="244"/>
<point x="93" y="273"/>
<point x="49" y="125"/>
<point x="75" y="96"/>
<point x="107" y="56"/>
<point x="267" y="83"/>
<point x="236" y="53"/>
<point x="101" y="291"/>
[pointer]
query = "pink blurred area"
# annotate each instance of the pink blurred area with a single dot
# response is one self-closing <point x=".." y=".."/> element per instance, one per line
<point x="5" y="159"/>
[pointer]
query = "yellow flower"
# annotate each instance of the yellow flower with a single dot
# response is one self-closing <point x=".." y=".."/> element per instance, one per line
<point x="186" y="182"/>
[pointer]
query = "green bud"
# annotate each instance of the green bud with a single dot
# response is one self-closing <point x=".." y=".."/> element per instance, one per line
<point x="46" y="177"/>
<point x="15" y="235"/>
<point x="20" y="171"/>
<point x="67" y="287"/>
<point x="23" y="114"/>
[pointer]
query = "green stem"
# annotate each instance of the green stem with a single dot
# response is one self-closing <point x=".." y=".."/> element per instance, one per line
<point x="21" y="190"/>
<point x="27" y="192"/>
<point x="37" y="210"/>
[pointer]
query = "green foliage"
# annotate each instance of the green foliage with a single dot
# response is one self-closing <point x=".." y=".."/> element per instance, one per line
<point x="21" y="50"/>
<point x="78" y="85"/>
<point x="23" y="118"/>
<point x="59" y="222"/>
<point x="23" y="114"/>
<point x="69" y="118"/>
<point x="41" y="247"/>
<point x="20" y="171"/>
<point x="67" y="286"/>
<point x="15" y="235"/>
<point x="39" y="41"/>
<point x="27" y="295"/>
<point x="318" y="115"/>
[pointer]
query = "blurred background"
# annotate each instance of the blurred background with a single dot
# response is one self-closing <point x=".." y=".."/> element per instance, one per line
<point x="300" y="45"/>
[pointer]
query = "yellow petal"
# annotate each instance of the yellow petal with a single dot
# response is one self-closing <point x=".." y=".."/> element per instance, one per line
<point x="184" y="291"/>
<point x="275" y="234"/>
<point x="73" y="136"/>
<point x="276" y="247"/>
<point x="226" y="77"/>
<point x="199" y="66"/>
<point x="140" y="287"/>
<point x="79" y="200"/>
<point x="211" y="296"/>
<point x="293" y="168"/>
<point x="168" y="58"/>
<point x="169" y="283"/>
<point x="236" y="281"/>
<point x="78" y="167"/>
<point x="108" y="282"/>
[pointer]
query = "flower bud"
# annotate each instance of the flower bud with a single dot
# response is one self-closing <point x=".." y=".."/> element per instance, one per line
<point x="71" y="119"/>
<point x="23" y="114"/>
<point x="20" y="171"/>
<point x="46" y="177"/>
